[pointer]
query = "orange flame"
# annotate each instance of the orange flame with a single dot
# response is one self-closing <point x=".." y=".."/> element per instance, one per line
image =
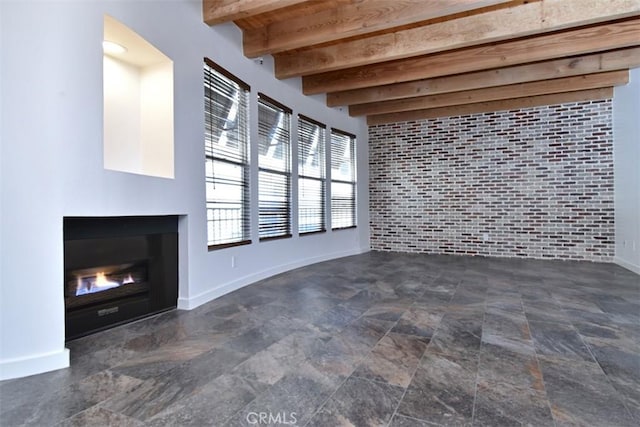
<point x="102" y="282"/>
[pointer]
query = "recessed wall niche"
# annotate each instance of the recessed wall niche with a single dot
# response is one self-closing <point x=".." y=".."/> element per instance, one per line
<point x="138" y="103"/>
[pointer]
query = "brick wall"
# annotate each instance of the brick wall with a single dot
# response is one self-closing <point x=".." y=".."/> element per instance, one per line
<point x="536" y="182"/>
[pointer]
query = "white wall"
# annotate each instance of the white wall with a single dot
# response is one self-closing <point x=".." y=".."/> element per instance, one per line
<point x="626" y="137"/>
<point x="52" y="161"/>
<point x="138" y="118"/>
<point x="156" y="136"/>
<point x="122" y="111"/>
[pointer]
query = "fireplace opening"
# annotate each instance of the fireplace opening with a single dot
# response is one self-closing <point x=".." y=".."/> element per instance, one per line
<point x="118" y="269"/>
<point x="116" y="280"/>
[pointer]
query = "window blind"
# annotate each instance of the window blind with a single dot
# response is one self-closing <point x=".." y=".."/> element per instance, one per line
<point x="226" y="155"/>
<point x="343" y="180"/>
<point x="311" y="175"/>
<point x="274" y="164"/>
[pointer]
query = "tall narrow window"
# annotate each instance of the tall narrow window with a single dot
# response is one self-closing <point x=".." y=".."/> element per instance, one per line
<point x="343" y="180"/>
<point x="311" y="171"/>
<point x="227" y="158"/>
<point x="274" y="177"/>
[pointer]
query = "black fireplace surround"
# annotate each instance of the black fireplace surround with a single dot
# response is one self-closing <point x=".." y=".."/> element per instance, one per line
<point x="118" y="269"/>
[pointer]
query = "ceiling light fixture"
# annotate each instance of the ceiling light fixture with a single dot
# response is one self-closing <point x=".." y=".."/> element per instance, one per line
<point x="113" y="48"/>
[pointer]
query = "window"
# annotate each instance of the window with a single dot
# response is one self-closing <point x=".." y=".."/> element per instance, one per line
<point x="343" y="180"/>
<point x="274" y="176"/>
<point x="226" y="153"/>
<point x="311" y="171"/>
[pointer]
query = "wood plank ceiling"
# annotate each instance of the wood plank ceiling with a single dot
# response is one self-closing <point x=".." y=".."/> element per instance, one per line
<point x="394" y="60"/>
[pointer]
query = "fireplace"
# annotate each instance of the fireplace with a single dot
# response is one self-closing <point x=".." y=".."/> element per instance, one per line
<point x="118" y="269"/>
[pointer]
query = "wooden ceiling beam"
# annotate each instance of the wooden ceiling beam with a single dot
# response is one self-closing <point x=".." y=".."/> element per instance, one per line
<point x="566" y="67"/>
<point x="286" y="14"/>
<point x="521" y="90"/>
<point x="352" y="19"/>
<point x="486" y="107"/>
<point x="517" y="21"/>
<point x="574" y="42"/>
<point x="218" y="11"/>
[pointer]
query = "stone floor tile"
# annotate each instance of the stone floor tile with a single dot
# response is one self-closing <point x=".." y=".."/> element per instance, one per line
<point x="580" y="394"/>
<point x="155" y="394"/>
<point x="298" y="395"/>
<point x="557" y="339"/>
<point x="213" y="405"/>
<point x="502" y="404"/>
<point x="502" y="365"/>
<point x="262" y="336"/>
<point x="97" y="416"/>
<point x="545" y="309"/>
<point x="367" y="331"/>
<point x="335" y="319"/>
<point x="69" y="401"/>
<point x="458" y="335"/>
<point x="387" y="312"/>
<point x="418" y="320"/>
<point x="339" y="356"/>
<point x="502" y="336"/>
<point x="393" y="360"/>
<point x="359" y="402"/>
<point x="442" y="390"/>
<point x="272" y="363"/>
<point x="402" y="421"/>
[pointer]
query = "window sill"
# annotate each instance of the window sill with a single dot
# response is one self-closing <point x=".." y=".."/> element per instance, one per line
<point x="228" y="245"/>
<point x="344" y="228"/>
<point x="309" y="233"/>
<point x="266" y="239"/>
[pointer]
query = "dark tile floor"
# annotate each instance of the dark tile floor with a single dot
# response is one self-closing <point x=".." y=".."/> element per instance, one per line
<point x="376" y="339"/>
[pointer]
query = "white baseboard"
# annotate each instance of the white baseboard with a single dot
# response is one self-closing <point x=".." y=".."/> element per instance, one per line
<point x="31" y="365"/>
<point x="629" y="266"/>
<point x="205" y="297"/>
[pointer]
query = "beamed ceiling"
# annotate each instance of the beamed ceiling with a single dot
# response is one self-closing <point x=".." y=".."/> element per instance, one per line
<point x="394" y="60"/>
